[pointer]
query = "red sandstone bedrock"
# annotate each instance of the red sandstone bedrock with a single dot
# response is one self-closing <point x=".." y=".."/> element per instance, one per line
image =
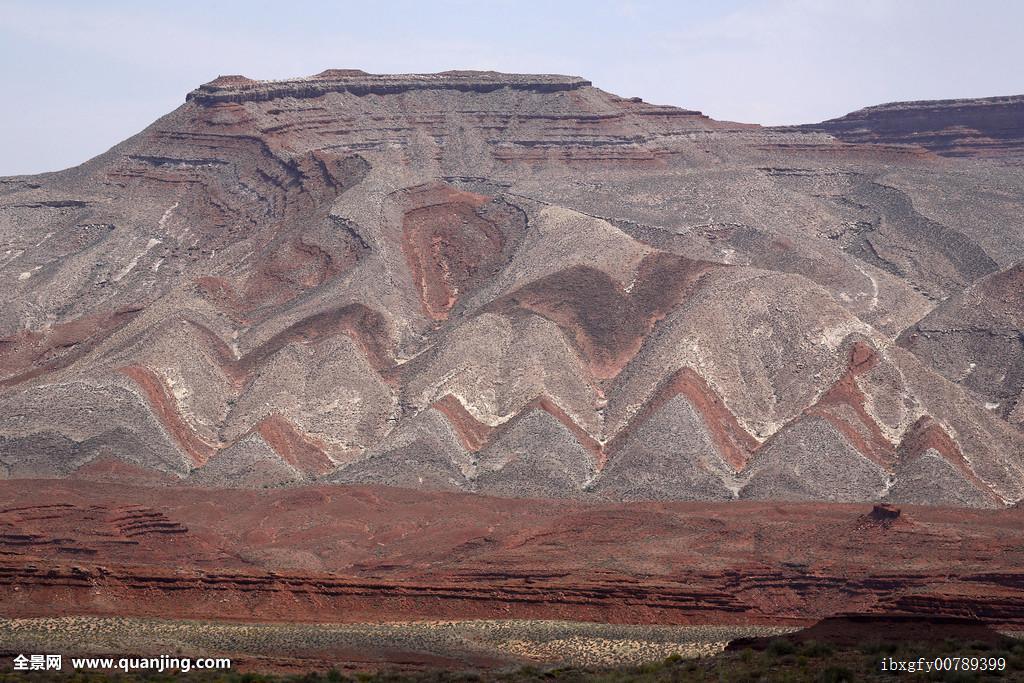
<point x="349" y="554"/>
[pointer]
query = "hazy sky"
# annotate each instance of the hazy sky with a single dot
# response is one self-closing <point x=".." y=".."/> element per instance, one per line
<point x="78" y="77"/>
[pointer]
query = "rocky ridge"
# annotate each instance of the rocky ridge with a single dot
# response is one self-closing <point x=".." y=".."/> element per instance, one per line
<point x="985" y="127"/>
<point x="240" y="89"/>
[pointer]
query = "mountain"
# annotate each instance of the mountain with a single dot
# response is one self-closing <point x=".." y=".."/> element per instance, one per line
<point x="988" y="127"/>
<point x="524" y="286"/>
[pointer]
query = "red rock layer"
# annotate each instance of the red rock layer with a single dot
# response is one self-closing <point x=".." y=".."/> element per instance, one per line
<point x="734" y="443"/>
<point x="475" y="435"/>
<point x="839" y="151"/>
<point x="235" y="186"/>
<point x="363" y="325"/>
<point x="366" y="327"/>
<point x="843" y="407"/>
<point x="453" y="241"/>
<point x="606" y="324"/>
<point x="304" y="453"/>
<point x="1005" y="291"/>
<point x="114" y="470"/>
<point x="927" y="434"/>
<point x="29" y="354"/>
<point x="472" y="433"/>
<point x="288" y="267"/>
<point x="582" y="436"/>
<point x="298" y="247"/>
<point x="165" y="408"/>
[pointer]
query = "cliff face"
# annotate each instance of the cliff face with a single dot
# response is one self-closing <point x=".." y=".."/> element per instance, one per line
<point x="989" y="127"/>
<point x="240" y="89"/>
<point x="508" y="284"/>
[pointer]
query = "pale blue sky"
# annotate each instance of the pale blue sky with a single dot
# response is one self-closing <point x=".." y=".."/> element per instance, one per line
<point x="78" y="77"/>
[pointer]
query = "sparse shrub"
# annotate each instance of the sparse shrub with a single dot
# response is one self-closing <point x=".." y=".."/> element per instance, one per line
<point x="950" y="646"/>
<point x="814" y="649"/>
<point x="880" y="647"/>
<point x="780" y="647"/>
<point x="960" y="677"/>
<point x="836" y="674"/>
<point x="650" y="667"/>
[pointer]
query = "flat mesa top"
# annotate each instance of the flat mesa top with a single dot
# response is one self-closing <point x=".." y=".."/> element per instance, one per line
<point x="1001" y="100"/>
<point x="242" y="89"/>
